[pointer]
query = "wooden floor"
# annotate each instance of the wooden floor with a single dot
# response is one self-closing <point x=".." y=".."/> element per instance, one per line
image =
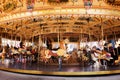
<point x="38" y="71"/>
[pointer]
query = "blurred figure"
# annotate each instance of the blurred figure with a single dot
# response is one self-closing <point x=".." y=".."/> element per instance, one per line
<point x="112" y="52"/>
<point x="88" y="54"/>
<point x="118" y="50"/>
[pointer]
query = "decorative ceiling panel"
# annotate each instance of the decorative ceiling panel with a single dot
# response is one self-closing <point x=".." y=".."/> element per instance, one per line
<point x="29" y="18"/>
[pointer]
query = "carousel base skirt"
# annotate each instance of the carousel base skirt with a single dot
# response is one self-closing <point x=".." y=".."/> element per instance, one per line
<point x="55" y="70"/>
<point x="63" y="74"/>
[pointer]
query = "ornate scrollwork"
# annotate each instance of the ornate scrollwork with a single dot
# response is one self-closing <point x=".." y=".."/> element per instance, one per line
<point x="113" y="2"/>
<point x="52" y="2"/>
<point x="11" y="5"/>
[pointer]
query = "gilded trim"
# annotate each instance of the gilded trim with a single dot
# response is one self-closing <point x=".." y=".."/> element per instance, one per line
<point x="60" y="73"/>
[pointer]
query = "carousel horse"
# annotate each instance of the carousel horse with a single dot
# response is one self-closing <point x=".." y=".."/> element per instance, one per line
<point x="14" y="51"/>
<point x="22" y="55"/>
<point x="62" y="51"/>
<point x="42" y="55"/>
<point x="100" y="55"/>
<point x="106" y="59"/>
<point x="105" y="55"/>
<point x="14" y="54"/>
<point x="46" y="54"/>
<point x="94" y="56"/>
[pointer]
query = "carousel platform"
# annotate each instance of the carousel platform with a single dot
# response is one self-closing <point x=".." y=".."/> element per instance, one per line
<point x="53" y="70"/>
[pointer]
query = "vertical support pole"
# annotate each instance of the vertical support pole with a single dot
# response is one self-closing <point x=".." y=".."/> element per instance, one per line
<point x="58" y="33"/>
<point x="15" y="41"/>
<point x="60" y="63"/>
<point x="39" y="45"/>
<point x="32" y="39"/>
<point x="102" y="33"/>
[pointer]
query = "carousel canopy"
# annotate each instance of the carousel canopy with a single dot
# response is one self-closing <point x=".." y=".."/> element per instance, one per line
<point x="71" y="18"/>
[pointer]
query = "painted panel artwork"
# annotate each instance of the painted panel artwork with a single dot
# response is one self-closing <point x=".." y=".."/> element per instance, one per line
<point x="30" y="4"/>
<point x="88" y="3"/>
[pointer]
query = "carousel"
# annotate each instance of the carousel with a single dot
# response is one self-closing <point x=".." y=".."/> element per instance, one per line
<point x="81" y="33"/>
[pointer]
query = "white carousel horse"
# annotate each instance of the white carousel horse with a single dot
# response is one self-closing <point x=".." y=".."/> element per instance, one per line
<point x="95" y="58"/>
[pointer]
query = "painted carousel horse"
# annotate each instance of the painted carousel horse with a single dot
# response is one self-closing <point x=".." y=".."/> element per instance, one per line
<point x="14" y="54"/>
<point x="99" y="56"/>
<point x="62" y="51"/>
<point x="49" y="54"/>
<point x="14" y="51"/>
<point x="22" y="55"/>
<point x="82" y="56"/>
<point x="46" y="54"/>
<point x="106" y="56"/>
<point x="34" y="52"/>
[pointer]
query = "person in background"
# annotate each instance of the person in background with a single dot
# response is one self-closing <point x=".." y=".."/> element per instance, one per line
<point x="112" y="52"/>
<point x="117" y="62"/>
<point x="88" y="54"/>
<point x="118" y="50"/>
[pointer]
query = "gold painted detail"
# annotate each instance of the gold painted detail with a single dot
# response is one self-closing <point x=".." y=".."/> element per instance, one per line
<point x="52" y="73"/>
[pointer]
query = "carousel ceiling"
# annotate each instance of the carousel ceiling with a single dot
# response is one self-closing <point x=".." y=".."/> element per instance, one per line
<point x="29" y="18"/>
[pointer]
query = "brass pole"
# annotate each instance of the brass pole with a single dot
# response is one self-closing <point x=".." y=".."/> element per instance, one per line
<point x="58" y="32"/>
<point x="102" y="33"/>
<point x="40" y="43"/>
<point x="15" y="41"/>
<point x="115" y="40"/>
